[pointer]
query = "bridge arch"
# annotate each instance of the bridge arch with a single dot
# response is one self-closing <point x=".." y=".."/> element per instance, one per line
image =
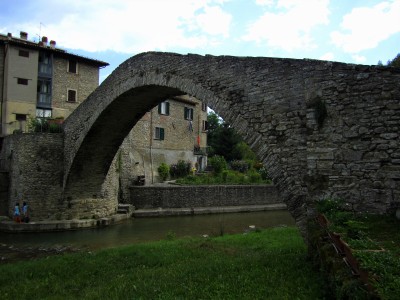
<point x="94" y="132"/>
<point x="303" y="118"/>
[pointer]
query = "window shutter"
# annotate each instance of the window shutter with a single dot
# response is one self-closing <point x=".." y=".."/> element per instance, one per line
<point x="185" y="113"/>
<point x="161" y="133"/>
<point x="159" y="108"/>
<point x="167" y="108"/>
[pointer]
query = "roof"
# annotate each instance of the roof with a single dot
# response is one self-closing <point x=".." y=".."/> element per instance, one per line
<point x="57" y="51"/>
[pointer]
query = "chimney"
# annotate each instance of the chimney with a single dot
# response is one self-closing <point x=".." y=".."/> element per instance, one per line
<point x="52" y="44"/>
<point x="23" y="35"/>
<point x="44" y="40"/>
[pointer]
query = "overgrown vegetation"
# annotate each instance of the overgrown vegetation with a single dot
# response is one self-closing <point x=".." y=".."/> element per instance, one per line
<point x="163" y="171"/>
<point x="270" y="264"/>
<point x="45" y="125"/>
<point x="236" y="172"/>
<point x="374" y="241"/>
<point x="180" y="169"/>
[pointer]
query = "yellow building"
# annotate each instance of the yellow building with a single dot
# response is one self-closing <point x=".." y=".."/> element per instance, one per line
<point x="39" y="80"/>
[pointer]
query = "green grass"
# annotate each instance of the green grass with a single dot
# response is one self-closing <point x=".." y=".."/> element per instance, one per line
<point x="270" y="264"/>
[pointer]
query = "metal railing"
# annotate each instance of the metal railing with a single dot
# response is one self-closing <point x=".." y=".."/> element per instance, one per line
<point x="200" y="150"/>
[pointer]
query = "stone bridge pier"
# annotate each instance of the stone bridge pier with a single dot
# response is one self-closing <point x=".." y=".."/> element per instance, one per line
<point x="322" y="129"/>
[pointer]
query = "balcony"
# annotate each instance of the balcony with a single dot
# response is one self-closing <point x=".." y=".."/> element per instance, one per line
<point x="197" y="150"/>
<point x="45" y="70"/>
<point x="44" y="100"/>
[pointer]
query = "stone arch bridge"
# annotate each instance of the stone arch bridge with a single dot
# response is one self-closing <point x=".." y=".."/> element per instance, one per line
<point x="322" y="129"/>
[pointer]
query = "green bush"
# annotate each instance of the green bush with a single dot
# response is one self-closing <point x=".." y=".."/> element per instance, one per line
<point x="181" y="169"/>
<point x="163" y="171"/>
<point x="254" y="176"/>
<point x="263" y="172"/>
<point x="218" y="163"/>
<point x="239" y="165"/>
<point x="43" y="125"/>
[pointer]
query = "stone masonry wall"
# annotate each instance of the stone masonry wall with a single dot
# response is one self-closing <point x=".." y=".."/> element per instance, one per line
<point x="36" y="173"/>
<point x="202" y="196"/>
<point x="4" y="183"/>
<point x="36" y="176"/>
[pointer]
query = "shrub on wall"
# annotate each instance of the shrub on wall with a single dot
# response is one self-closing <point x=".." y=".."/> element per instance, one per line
<point x="218" y="163"/>
<point x="163" y="171"/>
<point x="239" y="165"/>
<point x="181" y="169"/>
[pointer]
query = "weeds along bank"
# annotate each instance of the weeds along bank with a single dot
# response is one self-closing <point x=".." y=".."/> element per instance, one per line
<point x="359" y="254"/>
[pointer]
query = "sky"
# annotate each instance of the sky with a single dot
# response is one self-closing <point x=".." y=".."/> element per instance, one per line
<point x="351" y="31"/>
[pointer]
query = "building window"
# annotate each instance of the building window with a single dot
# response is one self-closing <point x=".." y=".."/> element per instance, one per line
<point x="163" y="108"/>
<point x="23" y="53"/>
<point x="204" y="125"/>
<point x="72" y="66"/>
<point x="43" y="113"/>
<point x="22" y="81"/>
<point x="20" y="117"/>
<point x="203" y="106"/>
<point x="45" y="64"/>
<point x="159" y="134"/>
<point x="71" y="95"/>
<point x="188" y="113"/>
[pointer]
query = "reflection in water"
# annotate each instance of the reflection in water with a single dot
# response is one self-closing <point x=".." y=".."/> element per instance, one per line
<point x="151" y="229"/>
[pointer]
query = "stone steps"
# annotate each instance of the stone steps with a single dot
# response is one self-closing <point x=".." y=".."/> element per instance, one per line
<point x="125" y="208"/>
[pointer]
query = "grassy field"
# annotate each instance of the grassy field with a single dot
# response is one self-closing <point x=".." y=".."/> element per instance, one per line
<point x="269" y="264"/>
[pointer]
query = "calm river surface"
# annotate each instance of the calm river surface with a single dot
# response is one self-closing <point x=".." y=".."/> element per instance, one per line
<point x="151" y="229"/>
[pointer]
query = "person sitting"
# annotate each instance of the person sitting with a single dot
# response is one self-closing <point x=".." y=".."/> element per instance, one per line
<point x="25" y="213"/>
<point x="17" y="213"/>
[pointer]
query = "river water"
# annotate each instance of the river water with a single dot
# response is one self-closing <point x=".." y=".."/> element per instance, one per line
<point x="138" y="230"/>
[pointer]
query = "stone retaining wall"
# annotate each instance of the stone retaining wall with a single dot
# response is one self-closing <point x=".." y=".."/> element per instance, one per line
<point x="175" y="196"/>
<point x="4" y="193"/>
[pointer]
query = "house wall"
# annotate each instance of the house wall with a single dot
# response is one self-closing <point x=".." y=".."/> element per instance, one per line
<point x="19" y="99"/>
<point x="84" y="82"/>
<point x="142" y="154"/>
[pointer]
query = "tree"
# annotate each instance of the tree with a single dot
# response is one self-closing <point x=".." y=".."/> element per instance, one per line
<point x="224" y="140"/>
<point x="395" y="62"/>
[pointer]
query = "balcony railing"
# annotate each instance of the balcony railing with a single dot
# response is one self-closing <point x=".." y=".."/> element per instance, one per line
<point x="197" y="150"/>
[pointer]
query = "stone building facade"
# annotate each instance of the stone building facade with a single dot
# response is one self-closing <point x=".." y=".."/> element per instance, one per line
<point x="174" y="130"/>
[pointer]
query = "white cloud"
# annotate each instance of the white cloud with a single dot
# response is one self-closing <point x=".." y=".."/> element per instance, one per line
<point x="365" y="27"/>
<point x="327" y="56"/>
<point x="359" y="58"/>
<point x="290" y="28"/>
<point x="214" y="21"/>
<point x="131" y="26"/>
<point x="264" y="2"/>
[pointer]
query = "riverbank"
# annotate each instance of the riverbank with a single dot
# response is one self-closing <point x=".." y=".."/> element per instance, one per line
<point x="267" y="264"/>
<point x="8" y="225"/>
